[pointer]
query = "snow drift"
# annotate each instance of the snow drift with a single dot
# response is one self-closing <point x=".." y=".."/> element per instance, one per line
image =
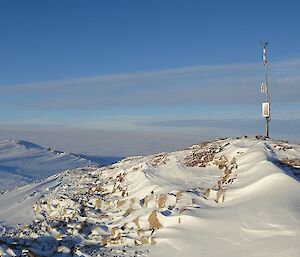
<point x="230" y="197"/>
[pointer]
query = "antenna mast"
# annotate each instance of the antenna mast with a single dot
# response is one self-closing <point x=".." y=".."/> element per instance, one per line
<point x="265" y="89"/>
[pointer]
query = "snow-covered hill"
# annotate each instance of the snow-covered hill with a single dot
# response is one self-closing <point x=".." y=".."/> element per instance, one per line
<point x="230" y="197"/>
<point x="22" y="162"/>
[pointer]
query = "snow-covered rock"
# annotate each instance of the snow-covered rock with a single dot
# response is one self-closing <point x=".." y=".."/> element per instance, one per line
<point x="229" y="197"/>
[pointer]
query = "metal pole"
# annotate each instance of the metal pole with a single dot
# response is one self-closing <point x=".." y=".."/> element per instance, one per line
<point x="266" y="87"/>
<point x="267" y="128"/>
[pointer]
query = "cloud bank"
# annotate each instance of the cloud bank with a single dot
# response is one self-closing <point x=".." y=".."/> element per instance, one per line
<point x="142" y="113"/>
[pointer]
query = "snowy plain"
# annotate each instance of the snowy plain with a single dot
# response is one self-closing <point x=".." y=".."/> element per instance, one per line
<point x="229" y="197"/>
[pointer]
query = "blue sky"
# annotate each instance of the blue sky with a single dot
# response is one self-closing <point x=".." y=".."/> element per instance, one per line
<point x="190" y="69"/>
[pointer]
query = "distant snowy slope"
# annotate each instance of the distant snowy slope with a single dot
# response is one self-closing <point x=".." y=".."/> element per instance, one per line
<point x="22" y="162"/>
<point x="230" y="198"/>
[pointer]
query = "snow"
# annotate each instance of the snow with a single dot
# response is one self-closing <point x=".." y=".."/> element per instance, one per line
<point x="22" y="162"/>
<point x="16" y="205"/>
<point x="230" y="197"/>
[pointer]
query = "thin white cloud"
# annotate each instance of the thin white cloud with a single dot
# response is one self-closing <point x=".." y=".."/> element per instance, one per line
<point x="214" y="84"/>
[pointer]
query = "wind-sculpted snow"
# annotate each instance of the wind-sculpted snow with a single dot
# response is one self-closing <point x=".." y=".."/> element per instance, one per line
<point x="229" y="197"/>
<point x="22" y="162"/>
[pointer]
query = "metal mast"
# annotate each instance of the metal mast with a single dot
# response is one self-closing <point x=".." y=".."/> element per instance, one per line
<point x="265" y="89"/>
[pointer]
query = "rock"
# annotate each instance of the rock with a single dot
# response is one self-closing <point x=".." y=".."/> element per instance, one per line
<point x="153" y="221"/>
<point x="161" y="201"/>
<point x="63" y="249"/>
